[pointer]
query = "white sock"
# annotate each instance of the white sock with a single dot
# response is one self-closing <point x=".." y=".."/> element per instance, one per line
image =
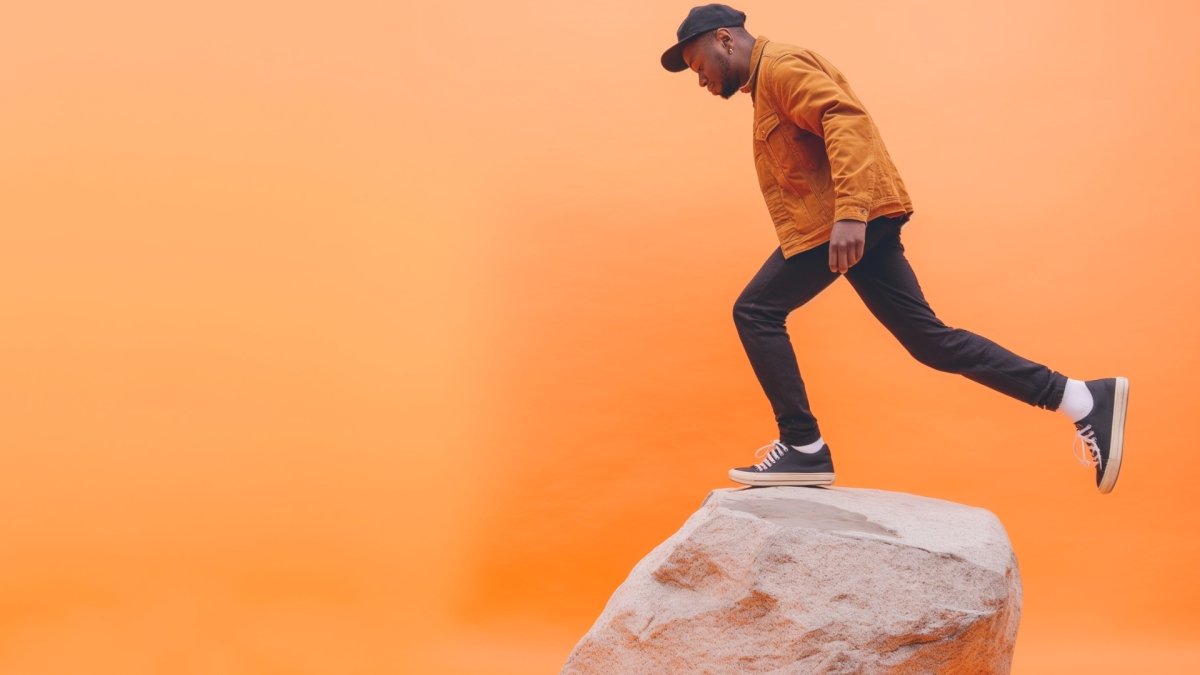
<point x="1077" y="400"/>
<point x="811" y="447"/>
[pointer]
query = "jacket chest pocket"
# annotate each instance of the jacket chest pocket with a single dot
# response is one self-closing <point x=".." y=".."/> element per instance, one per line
<point x="779" y="140"/>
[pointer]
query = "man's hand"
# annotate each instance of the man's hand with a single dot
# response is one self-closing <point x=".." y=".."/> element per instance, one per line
<point x="846" y="244"/>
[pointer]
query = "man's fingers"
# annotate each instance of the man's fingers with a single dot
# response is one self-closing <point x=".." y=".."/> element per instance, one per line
<point x="847" y="246"/>
<point x="852" y="257"/>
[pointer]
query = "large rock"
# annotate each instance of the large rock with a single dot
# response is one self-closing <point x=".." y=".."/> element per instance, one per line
<point x="812" y="580"/>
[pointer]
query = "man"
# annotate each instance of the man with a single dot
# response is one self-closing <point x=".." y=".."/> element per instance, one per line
<point x="838" y="204"/>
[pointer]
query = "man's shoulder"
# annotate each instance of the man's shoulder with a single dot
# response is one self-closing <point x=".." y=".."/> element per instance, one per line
<point x="779" y="56"/>
<point x="776" y="48"/>
<point x="774" y="51"/>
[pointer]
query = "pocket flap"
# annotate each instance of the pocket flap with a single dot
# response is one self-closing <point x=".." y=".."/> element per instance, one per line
<point x="764" y="125"/>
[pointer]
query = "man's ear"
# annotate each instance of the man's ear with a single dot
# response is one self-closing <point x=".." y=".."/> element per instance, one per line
<point x="724" y="39"/>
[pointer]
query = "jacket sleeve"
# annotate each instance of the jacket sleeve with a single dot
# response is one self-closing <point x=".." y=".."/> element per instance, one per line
<point x="814" y="101"/>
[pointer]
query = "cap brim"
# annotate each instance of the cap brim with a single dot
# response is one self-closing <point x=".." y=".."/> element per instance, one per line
<point x="672" y="59"/>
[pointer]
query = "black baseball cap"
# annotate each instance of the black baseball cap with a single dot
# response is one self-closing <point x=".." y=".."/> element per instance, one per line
<point x="699" y="21"/>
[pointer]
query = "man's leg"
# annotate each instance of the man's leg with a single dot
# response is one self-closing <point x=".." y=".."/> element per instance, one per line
<point x="760" y="314"/>
<point x="886" y="283"/>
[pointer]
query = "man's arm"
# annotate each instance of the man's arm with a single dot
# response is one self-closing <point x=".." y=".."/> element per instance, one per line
<point x="815" y="102"/>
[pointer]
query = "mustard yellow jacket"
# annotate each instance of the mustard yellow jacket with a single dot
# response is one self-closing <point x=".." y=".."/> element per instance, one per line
<point x="817" y="151"/>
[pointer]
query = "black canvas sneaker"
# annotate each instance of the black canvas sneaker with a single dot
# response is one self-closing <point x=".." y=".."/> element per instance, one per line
<point x="1102" y="431"/>
<point x="784" y="465"/>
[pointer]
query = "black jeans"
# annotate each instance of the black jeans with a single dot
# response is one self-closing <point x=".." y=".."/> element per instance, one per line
<point x="886" y="283"/>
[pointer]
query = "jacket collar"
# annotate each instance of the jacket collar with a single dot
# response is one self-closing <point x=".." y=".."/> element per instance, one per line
<point x="755" y="57"/>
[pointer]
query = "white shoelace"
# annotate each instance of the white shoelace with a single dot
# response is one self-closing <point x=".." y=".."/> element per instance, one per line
<point x="1087" y="453"/>
<point x="773" y="450"/>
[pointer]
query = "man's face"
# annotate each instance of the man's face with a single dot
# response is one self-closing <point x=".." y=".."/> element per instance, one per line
<point x="712" y="66"/>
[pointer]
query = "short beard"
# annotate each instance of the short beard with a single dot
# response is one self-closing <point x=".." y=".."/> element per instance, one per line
<point x="729" y="86"/>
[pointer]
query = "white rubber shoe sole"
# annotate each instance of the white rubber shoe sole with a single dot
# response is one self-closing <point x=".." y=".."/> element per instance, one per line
<point x="767" y="478"/>
<point x="1117" y="437"/>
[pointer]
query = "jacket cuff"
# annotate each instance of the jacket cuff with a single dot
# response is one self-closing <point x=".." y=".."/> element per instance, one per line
<point x="850" y="211"/>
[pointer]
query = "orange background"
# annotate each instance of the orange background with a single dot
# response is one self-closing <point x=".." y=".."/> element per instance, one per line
<point x="377" y="338"/>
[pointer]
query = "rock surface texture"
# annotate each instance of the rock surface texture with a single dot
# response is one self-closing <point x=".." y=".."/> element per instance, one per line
<point x="815" y="580"/>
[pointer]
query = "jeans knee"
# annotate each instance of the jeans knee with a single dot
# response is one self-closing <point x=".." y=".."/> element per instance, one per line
<point x="936" y="350"/>
<point x="747" y="313"/>
<point x="744" y="312"/>
<point x="936" y="360"/>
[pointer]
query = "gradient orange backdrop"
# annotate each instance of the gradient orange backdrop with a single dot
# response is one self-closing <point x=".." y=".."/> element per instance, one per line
<point x="372" y="338"/>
